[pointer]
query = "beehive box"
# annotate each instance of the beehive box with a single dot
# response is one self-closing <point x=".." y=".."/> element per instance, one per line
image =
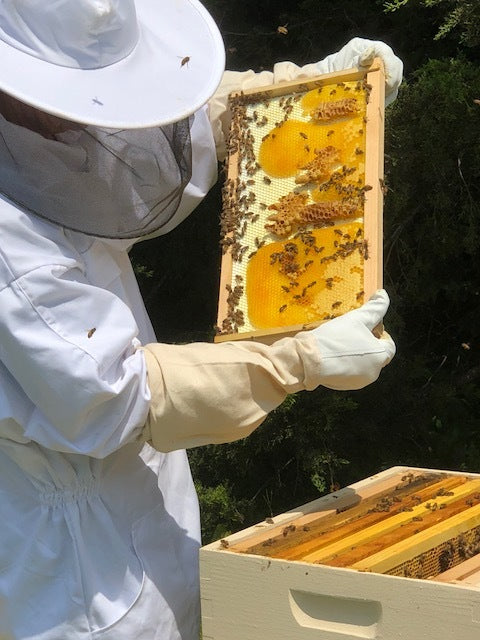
<point x="302" y="212"/>
<point x="393" y="557"/>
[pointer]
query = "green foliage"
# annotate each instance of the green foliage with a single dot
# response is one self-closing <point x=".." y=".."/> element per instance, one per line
<point x="317" y="28"/>
<point x="432" y="208"/>
<point x="460" y="16"/>
<point x="432" y="257"/>
<point x="219" y="511"/>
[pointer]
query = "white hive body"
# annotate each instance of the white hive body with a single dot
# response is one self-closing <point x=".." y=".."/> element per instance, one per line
<point x="391" y="557"/>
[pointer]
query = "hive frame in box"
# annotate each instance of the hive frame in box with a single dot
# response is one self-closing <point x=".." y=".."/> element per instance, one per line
<point x="247" y="596"/>
<point x="373" y="207"/>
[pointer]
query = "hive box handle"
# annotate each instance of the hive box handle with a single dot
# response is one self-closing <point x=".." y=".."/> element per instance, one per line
<point x="347" y="617"/>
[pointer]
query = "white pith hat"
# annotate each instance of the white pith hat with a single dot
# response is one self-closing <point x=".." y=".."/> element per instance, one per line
<point x="111" y="63"/>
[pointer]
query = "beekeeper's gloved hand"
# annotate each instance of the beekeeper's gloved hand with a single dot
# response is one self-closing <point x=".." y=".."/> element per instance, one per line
<point x="357" y="52"/>
<point x="351" y="355"/>
<point x="360" y="52"/>
<point x="210" y="393"/>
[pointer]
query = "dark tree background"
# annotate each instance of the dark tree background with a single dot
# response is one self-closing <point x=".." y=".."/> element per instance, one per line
<point x="425" y="408"/>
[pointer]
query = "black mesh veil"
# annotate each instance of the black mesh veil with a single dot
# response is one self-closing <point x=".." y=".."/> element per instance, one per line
<point x="108" y="183"/>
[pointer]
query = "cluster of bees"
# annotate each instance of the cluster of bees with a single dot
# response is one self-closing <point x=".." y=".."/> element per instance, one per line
<point x="235" y="317"/>
<point x="238" y="195"/>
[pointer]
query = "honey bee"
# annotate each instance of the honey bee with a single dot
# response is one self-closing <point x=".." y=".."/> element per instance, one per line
<point x="269" y="520"/>
<point x="224" y="543"/>
<point x="91" y="332"/>
<point x="288" y="529"/>
<point x="267" y="180"/>
<point x="365" y="252"/>
<point x="282" y="308"/>
<point x="336" y="304"/>
<point x="185" y="61"/>
<point x="304" y="135"/>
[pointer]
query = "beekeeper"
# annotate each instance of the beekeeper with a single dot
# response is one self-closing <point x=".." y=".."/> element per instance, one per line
<point x="106" y="137"/>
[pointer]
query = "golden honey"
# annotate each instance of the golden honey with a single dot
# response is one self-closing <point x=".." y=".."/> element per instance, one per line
<point x="315" y="287"/>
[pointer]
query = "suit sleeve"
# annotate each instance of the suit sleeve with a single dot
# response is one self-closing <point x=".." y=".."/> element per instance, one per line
<point x="71" y="349"/>
<point x="214" y="393"/>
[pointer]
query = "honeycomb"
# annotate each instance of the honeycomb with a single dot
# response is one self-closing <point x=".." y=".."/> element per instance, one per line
<point x="440" y="558"/>
<point x="292" y="218"/>
<point x="303" y="280"/>
<point x="420" y="527"/>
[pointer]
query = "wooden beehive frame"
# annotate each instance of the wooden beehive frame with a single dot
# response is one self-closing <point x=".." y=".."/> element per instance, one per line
<point x="373" y="206"/>
<point x="381" y="527"/>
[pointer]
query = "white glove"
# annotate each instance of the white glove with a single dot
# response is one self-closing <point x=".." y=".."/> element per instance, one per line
<point x="393" y="66"/>
<point x="357" y="52"/>
<point x="351" y="356"/>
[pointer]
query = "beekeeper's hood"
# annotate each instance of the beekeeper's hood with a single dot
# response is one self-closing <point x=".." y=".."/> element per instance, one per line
<point x="133" y="72"/>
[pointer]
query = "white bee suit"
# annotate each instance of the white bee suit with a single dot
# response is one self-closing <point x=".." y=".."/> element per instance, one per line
<point x="100" y="532"/>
